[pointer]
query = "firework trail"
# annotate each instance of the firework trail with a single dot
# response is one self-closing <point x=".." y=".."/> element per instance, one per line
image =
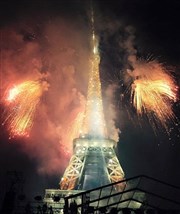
<point x="153" y="91"/>
<point x="21" y="102"/>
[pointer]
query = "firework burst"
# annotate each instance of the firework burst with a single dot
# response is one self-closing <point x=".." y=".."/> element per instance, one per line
<point x="21" y="102"/>
<point x="153" y="91"/>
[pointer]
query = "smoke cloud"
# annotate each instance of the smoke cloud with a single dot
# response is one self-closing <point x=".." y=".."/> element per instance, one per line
<point x="57" y="50"/>
<point x="111" y="112"/>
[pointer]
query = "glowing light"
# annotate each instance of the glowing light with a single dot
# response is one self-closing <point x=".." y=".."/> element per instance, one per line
<point x="153" y="91"/>
<point x="12" y="94"/>
<point x="21" y="103"/>
<point x="94" y="123"/>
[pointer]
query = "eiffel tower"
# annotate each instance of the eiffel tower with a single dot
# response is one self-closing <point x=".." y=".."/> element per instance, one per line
<point x="94" y="162"/>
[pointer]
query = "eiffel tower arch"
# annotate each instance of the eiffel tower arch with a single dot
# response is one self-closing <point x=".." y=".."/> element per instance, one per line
<point x="93" y="164"/>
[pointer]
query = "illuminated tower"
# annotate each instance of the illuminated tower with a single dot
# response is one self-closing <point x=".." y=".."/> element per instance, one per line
<point x="94" y="162"/>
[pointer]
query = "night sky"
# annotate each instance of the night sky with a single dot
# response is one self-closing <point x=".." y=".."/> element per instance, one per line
<point x="57" y="30"/>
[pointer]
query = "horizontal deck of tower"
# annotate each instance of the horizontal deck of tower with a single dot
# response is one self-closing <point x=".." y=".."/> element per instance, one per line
<point x="93" y="142"/>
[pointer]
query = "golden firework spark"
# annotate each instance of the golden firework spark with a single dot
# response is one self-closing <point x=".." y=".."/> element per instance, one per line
<point x="21" y="102"/>
<point x="153" y="91"/>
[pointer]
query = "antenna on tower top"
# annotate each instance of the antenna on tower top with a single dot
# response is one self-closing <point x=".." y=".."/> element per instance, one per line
<point x="94" y="39"/>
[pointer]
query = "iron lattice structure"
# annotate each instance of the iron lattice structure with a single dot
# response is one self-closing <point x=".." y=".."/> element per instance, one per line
<point x="94" y="122"/>
<point x="94" y="162"/>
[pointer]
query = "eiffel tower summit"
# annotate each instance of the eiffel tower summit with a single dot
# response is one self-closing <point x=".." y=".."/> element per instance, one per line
<point x="94" y="162"/>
